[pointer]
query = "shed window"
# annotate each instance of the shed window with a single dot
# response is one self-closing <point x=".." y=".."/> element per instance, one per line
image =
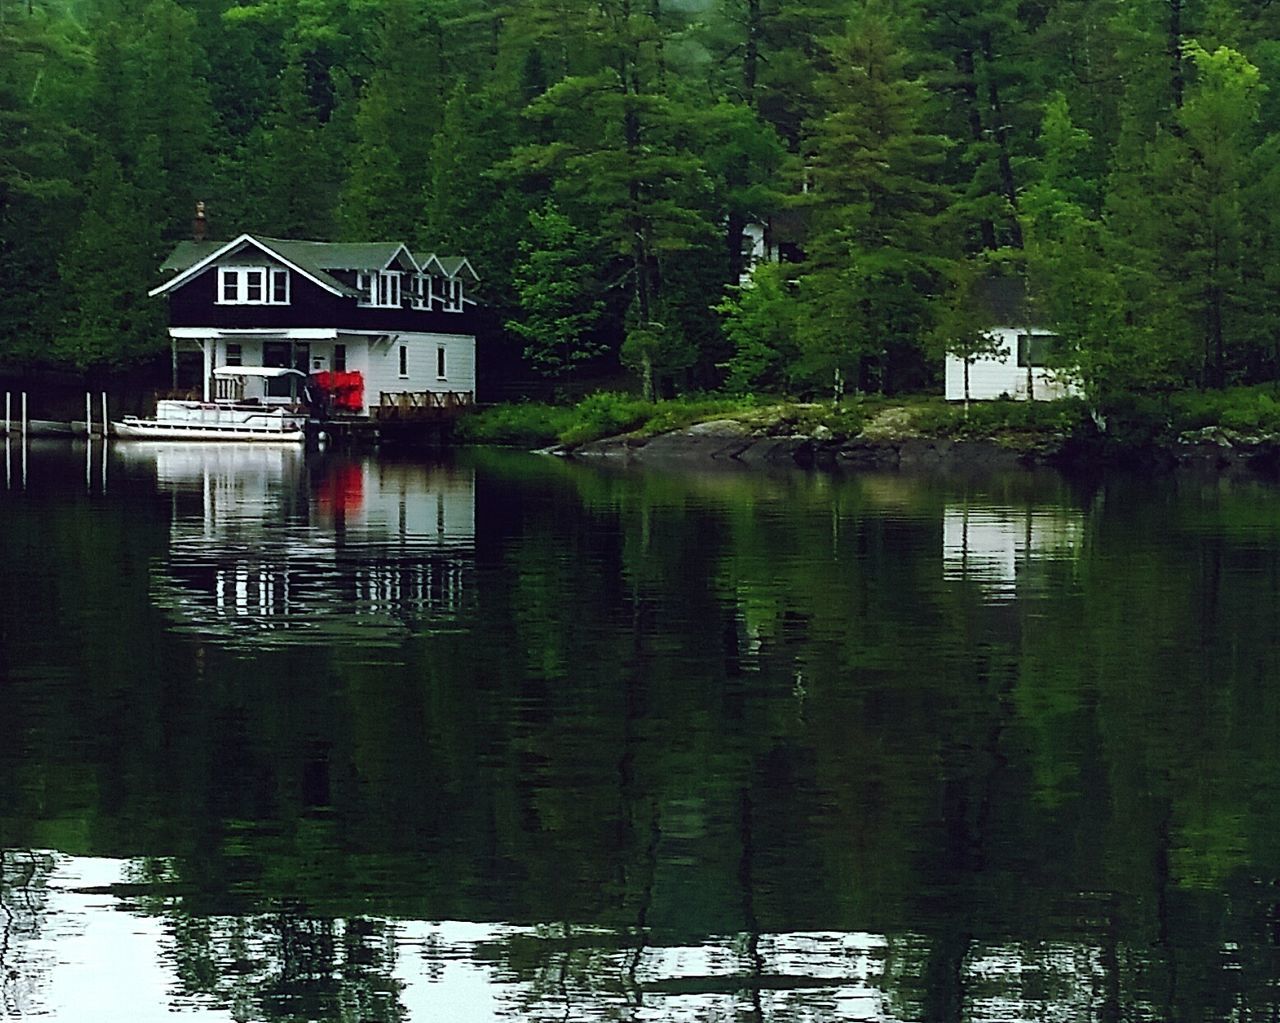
<point x="1036" y="350"/>
<point x="404" y="360"/>
<point x="440" y="362"/>
<point x="235" y="355"/>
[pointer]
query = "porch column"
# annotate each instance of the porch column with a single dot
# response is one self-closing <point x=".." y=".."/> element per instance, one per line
<point x="206" y="353"/>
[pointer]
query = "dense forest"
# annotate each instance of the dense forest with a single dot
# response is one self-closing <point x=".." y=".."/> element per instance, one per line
<point x="600" y="160"/>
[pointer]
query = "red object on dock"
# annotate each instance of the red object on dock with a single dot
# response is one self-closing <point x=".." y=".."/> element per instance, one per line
<point x="345" y="390"/>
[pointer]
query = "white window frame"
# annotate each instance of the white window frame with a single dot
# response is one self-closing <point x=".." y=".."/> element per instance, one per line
<point x="380" y="289"/>
<point x="278" y="275"/>
<point x="404" y="362"/>
<point x="441" y="365"/>
<point x="452" y="295"/>
<point x="235" y="284"/>
<point x="421" y="291"/>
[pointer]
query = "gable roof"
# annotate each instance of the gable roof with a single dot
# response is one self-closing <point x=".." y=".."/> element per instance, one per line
<point x="453" y="265"/>
<point x="310" y="258"/>
<point x="190" y="258"/>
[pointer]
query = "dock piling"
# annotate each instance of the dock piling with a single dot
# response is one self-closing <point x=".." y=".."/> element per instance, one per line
<point x="88" y="413"/>
<point x="106" y="425"/>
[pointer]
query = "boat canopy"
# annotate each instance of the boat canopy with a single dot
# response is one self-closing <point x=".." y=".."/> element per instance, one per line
<point x="270" y="372"/>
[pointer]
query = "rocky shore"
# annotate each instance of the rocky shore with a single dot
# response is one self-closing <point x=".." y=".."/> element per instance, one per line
<point x="729" y="443"/>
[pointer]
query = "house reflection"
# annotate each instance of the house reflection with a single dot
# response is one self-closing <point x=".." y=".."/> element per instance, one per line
<point x="267" y="546"/>
<point x="999" y="546"/>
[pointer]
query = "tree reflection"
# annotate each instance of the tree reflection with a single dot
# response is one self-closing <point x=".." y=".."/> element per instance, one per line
<point x="760" y="745"/>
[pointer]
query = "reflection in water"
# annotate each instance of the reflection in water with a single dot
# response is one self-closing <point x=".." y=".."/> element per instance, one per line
<point x="999" y="546"/>
<point x="96" y="940"/>
<point x="279" y="551"/>
<point x="629" y="746"/>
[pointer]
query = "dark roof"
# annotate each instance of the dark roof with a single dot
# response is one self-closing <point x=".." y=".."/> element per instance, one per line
<point x="452" y="264"/>
<point x="1004" y="301"/>
<point x="315" y="258"/>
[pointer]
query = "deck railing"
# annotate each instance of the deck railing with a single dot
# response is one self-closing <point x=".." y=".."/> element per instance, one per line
<point x="411" y="405"/>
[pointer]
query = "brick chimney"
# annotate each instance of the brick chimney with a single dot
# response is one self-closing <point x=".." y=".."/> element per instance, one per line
<point x="199" y="226"/>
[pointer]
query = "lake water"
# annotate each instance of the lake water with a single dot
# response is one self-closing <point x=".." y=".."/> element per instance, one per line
<point x="343" y="738"/>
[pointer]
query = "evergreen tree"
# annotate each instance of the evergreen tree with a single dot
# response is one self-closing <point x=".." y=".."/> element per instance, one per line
<point x="108" y="318"/>
<point x="40" y="60"/>
<point x="554" y="285"/>
<point x="988" y="91"/>
<point x="623" y="160"/>
<point x="876" y="255"/>
<point x="394" y="126"/>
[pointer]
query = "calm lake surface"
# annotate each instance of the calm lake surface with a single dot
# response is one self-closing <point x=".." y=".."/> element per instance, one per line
<point x="366" y="739"/>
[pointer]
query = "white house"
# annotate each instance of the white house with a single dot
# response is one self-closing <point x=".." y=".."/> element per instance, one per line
<point x="371" y="322"/>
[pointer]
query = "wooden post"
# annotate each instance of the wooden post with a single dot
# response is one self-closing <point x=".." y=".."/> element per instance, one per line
<point x="106" y="425"/>
<point x="24" y="420"/>
<point x="8" y="399"/>
<point x="88" y="413"/>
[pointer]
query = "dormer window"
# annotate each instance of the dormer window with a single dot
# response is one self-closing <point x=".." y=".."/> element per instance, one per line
<point x="380" y="289"/>
<point x="421" y="291"/>
<point x="253" y="285"/>
<point x="453" y="296"/>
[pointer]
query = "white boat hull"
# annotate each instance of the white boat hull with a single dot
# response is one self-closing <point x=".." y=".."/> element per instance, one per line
<point x="151" y="430"/>
<point x="189" y="421"/>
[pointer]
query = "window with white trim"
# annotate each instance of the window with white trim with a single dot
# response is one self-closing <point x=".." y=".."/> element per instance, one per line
<point x="421" y="291"/>
<point x="253" y="285"/>
<point x="440" y="362"/>
<point x="379" y="289"/>
<point x="453" y="295"/>
<point x="404" y="360"/>
<point x="235" y="355"/>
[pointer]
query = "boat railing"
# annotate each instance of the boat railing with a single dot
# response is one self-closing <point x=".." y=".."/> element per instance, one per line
<point x="228" y="388"/>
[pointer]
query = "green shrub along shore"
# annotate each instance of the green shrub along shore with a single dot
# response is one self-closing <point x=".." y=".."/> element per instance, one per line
<point x="1244" y="416"/>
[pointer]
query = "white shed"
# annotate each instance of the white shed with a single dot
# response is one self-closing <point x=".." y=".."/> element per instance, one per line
<point x="1022" y="367"/>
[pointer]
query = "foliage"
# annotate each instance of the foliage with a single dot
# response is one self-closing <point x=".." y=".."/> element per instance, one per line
<point x="760" y="323"/>
<point x="558" y="314"/>
<point x="1121" y="156"/>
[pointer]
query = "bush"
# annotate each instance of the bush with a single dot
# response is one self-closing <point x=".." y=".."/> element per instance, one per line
<point x="1244" y="409"/>
<point x="987" y="418"/>
<point x="527" y="425"/>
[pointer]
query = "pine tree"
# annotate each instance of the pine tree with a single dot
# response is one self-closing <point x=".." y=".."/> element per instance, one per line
<point x="876" y="249"/>
<point x="554" y="285"/>
<point x="108" y="318"/>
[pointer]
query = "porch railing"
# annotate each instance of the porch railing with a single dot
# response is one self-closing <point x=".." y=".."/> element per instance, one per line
<point x="410" y="405"/>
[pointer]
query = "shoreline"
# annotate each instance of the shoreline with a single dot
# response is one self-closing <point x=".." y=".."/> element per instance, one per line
<point x="729" y="444"/>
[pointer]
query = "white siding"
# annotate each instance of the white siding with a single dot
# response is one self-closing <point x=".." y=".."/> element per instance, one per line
<point x="382" y="370"/>
<point x="996" y="378"/>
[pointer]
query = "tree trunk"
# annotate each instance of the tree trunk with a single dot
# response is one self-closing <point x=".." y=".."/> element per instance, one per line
<point x="1007" y="185"/>
<point x="1177" y="77"/>
<point x="646" y="377"/>
<point x="751" y="53"/>
<point x="969" y="90"/>
<point x="966" y="387"/>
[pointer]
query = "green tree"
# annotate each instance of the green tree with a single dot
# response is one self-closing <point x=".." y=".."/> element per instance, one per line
<point x="41" y="59"/>
<point x="877" y="245"/>
<point x="760" y="319"/>
<point x="622" y="160"/>
<point x="555" y="287"/>
<point x="109" y="320"/>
